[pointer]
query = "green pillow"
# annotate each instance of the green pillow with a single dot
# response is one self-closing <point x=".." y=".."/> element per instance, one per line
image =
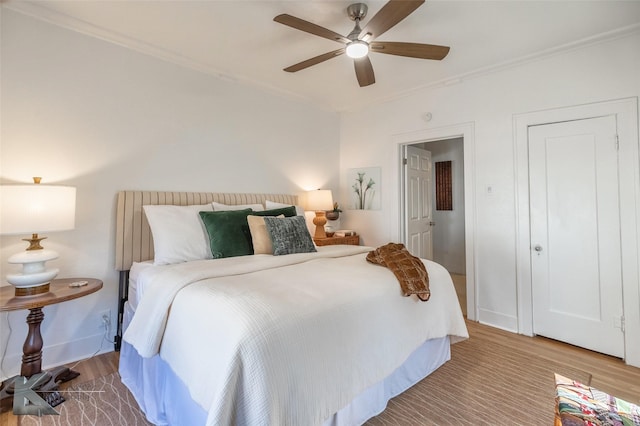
<point x="229" y="233"/>
<point x="286" y="211"/>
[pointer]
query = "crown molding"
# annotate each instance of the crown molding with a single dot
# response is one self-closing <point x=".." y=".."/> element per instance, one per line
<point x="45" y="14"/>
<point x="618" y="33"/>
<point x="41" y="12"/>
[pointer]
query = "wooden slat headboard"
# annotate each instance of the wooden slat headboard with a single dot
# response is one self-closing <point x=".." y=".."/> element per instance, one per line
<point x="134" y="242"/>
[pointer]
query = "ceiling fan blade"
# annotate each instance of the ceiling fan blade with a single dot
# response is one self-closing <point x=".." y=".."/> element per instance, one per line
<point x="412" y="50"/>
<point x="314" y="61"/>
<point x="364" y="71"/>
<point x="390" y="14"/>
<point x="308" y="27"/>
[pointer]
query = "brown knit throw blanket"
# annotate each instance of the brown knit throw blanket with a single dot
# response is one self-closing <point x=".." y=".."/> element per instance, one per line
<point x="408" y="269"/>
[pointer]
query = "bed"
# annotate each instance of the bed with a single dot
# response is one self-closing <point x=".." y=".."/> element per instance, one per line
<point x="318" y="336"/>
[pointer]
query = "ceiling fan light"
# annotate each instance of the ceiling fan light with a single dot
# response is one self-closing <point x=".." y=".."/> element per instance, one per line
<point x="357" y="49"/>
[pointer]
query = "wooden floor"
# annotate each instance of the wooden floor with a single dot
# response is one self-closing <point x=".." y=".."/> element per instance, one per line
<point x="609" y="374"/>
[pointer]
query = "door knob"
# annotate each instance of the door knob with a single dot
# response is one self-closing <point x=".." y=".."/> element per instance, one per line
<point x="538" y="247"/>
<point x="432" y="224"/>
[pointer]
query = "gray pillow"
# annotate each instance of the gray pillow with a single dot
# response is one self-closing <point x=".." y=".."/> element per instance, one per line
<point x="289" y="235"/>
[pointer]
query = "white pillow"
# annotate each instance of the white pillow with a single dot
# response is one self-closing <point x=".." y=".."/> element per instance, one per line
<point x="273" y="205"/>
<point x="221" y="207"/>
<point x="178" y="233"/>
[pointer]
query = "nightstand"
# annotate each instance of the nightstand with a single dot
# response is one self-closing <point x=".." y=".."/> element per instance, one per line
<point x="59" y="291"/>
<point x="353" y="240"/>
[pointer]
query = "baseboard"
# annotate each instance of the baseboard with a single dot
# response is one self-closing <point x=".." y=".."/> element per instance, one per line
<point x="498" y="320"/>
<point x="61" y="354"/>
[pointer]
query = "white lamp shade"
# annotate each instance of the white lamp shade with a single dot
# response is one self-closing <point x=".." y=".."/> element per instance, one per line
<point x="319" y="200"/>
<point x="28" y="209"/>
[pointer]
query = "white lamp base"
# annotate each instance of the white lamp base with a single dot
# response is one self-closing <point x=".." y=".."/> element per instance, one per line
<point x="34" y="273"/>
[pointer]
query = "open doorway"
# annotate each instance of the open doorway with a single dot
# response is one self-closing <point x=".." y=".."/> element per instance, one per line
<point x="435" y="224"/>
<point x="452" y="231"/>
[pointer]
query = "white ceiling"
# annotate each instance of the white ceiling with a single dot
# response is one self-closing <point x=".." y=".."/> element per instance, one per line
<point x="239" y="40"/>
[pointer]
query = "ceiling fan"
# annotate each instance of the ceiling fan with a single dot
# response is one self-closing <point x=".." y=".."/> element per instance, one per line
<point x="360" y="42"/>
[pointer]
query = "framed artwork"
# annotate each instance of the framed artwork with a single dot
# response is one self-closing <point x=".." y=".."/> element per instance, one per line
<point x="444" y="186"/>
<point x="364" y="188"/>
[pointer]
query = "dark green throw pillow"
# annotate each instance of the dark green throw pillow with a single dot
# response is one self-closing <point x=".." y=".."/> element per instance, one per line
<point x="289" y="235"/>
<point x="286" y="211"/>
<point x="229" y="233"/>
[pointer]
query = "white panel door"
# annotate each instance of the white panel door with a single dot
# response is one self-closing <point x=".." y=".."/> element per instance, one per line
<point x="575" y="234"/>
<point x="419" y="204"/>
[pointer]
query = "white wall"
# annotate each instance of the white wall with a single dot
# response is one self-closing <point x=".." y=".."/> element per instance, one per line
<point x="82" y="112"/>
<point x="602" y="71"/>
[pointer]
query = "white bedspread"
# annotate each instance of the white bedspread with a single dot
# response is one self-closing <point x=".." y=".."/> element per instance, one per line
<point x="286" y="340"/>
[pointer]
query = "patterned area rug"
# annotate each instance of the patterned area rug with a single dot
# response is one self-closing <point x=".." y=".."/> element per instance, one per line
<point x="483" y="384"/>
<point x="101" y="402"/>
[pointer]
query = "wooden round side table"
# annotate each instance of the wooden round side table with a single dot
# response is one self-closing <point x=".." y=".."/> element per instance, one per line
<point x="60" y="290"/>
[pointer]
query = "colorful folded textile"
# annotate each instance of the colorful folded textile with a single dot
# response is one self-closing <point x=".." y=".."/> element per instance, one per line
<point x="581" y="405"/>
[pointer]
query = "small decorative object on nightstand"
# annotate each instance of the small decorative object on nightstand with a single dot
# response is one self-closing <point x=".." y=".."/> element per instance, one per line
<point x="353" y="240"/>
<point x="335" y="213"/>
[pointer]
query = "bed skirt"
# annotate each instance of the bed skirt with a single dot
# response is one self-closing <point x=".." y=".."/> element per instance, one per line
<point x="165" y="399"/>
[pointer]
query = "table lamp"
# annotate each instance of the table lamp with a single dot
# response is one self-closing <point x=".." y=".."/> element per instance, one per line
<point x="320" y="201"/>
<point x="31" y="209"/>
